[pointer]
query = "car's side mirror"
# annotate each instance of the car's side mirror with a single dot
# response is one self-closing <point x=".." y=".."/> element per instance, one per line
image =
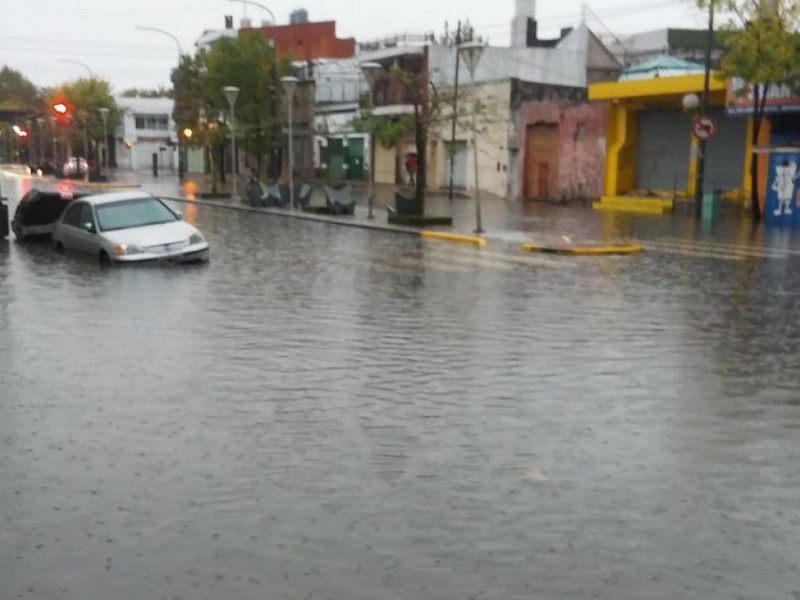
<point x="89" y="226"/>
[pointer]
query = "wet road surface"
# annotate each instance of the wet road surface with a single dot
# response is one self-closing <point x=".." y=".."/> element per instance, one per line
<point x="332" y="413"/>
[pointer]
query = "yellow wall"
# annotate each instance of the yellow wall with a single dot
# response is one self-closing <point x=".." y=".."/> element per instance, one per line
<point x="623" y="132"/>
<point x="627" y="98"/>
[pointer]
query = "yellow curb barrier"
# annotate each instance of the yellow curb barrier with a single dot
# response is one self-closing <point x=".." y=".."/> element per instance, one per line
<point x="453" y="237"/>
<point x="584" y="250"/>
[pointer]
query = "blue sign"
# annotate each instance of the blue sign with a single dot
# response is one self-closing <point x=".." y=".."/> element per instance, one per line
<point x="783" y="196"/>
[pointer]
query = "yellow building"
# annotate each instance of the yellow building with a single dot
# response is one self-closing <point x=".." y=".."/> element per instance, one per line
<point x="651" y="153"/>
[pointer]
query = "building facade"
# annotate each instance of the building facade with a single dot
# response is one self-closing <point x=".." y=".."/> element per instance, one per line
<point x="146" y="135"/>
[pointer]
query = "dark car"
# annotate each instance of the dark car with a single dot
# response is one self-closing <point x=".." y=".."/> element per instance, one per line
<point x="38" y="211"/>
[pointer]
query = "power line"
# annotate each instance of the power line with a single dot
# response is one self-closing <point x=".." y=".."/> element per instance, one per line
<point x="611" y="13"/>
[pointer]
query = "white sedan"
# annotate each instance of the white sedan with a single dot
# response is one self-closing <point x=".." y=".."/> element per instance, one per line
<point x="128" y="227"/>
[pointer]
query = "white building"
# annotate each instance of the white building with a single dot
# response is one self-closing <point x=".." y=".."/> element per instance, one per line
<point x="339" y="86"/>
<point x="146" y="131"/>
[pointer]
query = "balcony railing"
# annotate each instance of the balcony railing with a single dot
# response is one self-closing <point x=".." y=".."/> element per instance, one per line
<point x="393" y="41"/>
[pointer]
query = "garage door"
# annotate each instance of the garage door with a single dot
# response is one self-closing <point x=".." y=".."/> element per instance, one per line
<point x="725" y="153"/>
<point x="663" y="153"/>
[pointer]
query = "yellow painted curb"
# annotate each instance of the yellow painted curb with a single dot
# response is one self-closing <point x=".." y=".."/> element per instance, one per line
<point x="453" y="237"/>
<point x="642" y="210"/>
<point x="584" y="250"/>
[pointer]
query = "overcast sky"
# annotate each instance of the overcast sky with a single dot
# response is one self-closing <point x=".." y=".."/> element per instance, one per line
<point x="40" y="37"/>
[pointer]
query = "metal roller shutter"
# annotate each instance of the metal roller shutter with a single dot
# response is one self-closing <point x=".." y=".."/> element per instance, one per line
<point x="663" y="150"/>
<point x="725" y="153"/>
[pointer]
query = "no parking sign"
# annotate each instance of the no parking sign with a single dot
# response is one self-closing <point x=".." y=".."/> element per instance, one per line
<point x="704" y="128"/>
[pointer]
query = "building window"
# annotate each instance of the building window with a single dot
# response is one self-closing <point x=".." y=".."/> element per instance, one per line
<point x="580" y="132"/>
<point x="152" y="122"/>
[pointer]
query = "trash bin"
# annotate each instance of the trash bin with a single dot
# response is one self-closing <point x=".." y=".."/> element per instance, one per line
<point x="3" y="217"/>
<point x="712" y="204"/>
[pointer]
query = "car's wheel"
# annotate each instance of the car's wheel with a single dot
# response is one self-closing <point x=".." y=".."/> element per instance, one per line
<point x="59" y="247"/>
<point x="105" y="259"/>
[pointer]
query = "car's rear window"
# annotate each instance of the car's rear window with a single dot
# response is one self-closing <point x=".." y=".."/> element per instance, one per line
<point x="138" y="212"/>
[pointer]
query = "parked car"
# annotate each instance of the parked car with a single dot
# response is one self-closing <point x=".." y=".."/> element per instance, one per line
<point x="37" y="212"/>
<point x="127" y="227"/>
<point x="76" y="167"/>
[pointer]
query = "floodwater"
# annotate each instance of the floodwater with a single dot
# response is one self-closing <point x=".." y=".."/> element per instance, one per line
<point x="332" y="413"/>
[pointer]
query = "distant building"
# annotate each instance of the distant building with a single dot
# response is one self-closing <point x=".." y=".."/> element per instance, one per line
<point x="209" y="36"/>
<point x="340" y="151"/>
<point x="539" y="137"/>
<point x="684" y="44"/>
<point x="304" y="40"/>
<point x="146" y="130"/>
<point x="311" y="46"/>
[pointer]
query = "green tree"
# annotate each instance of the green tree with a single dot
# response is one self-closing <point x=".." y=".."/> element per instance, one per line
<point x="187" y="82"/>
<point x="17" y="92"/>
<point x="389" y="131"/>
<point x="85" y="125"/>
<point x="761" y="49"/>
<point x="249" y="63"/>
<point x="432" y="112"/>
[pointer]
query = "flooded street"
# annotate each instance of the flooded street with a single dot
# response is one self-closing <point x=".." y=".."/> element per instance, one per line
<point x="331" y="413"/>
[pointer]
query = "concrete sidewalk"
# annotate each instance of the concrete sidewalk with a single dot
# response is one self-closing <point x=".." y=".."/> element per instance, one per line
<point x="508" y="221"/>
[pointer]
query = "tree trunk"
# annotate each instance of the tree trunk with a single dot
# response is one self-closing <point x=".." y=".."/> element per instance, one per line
<point x="212" y="163"/>
<point x="421" y="139"/>
<point x="223" y="167"/>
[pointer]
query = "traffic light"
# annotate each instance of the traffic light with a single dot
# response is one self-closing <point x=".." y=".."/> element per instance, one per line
<point x="61" y="110"/>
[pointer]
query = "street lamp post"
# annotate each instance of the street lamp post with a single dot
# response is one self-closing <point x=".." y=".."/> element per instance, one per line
<point x="470" y="53"/>
<point x="53" y="132"/>
<point x="40" y="125"/>
<point x="249" y="2"/>
<point x="371" y="71"/>
<point x="83" y="116"/>
<point x="231" y="93"/>
<point x="79" y="63"/>
<point x="104" y="115"/>
<point x="290" y="85"/>
<point x="701" y="144"/>
<point x="162" y="32"/>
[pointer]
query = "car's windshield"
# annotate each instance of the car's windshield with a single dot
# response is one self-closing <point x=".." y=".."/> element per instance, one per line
<point x="138" y="212"/>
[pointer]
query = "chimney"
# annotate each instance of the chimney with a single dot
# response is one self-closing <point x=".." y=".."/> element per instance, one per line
<point x="228" y="22"/>
<point x="522" y="30"/>
<point x="532" y="33"/>
<point x="246" y="23"/>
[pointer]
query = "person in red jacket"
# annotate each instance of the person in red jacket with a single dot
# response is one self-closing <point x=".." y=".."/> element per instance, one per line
<point x="411" y="168"/>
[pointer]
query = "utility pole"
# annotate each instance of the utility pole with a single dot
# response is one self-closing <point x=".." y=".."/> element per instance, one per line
<point x="455" y="119"/>
<point x="701" y="144"/>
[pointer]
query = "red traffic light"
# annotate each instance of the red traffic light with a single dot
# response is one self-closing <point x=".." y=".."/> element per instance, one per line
<point x="60" y="108"/>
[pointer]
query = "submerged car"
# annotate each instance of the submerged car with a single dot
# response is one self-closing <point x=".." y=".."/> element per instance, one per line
<point x="37" y="212"/>
<point x="128" y="227"/>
